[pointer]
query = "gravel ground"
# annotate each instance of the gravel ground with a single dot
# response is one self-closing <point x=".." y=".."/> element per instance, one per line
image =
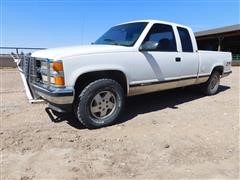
<point x="173" y="134"/>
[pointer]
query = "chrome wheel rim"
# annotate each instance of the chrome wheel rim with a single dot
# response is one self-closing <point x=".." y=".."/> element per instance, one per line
<point x="103" y="104"/>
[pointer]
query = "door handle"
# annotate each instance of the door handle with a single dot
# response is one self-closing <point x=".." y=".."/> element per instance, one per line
<point x="177" y="59"/>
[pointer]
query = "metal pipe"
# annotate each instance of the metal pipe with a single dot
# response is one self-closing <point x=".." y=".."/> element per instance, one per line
<point x="20" y="48"/>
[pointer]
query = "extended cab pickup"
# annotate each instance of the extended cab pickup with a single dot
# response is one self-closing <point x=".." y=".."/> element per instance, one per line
<point x="129" y="59"/>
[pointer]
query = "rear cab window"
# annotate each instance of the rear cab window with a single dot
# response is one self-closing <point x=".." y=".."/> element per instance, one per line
<point x="186" y="40"/>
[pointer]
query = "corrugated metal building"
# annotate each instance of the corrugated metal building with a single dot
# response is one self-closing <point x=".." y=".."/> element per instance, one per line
<point x="221" y="39"/>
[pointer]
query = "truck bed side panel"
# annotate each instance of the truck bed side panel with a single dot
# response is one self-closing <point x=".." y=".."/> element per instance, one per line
<point x="211" y="59"/>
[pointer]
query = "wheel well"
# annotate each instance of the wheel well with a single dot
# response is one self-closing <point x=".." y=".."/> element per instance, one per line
<point x="219" y="69"/>
<point x="86" y="78"/>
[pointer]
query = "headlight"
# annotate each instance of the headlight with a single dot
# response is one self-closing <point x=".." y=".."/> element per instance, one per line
<point x="44" y="71"/>
<point x="44" y="65"/>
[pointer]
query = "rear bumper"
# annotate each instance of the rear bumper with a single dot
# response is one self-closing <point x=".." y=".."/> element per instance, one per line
<point x="55" y="95"/>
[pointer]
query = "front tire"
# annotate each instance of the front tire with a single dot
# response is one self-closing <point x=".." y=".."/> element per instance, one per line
<point x="212" y="85"/>
<point x="100" y="103"/>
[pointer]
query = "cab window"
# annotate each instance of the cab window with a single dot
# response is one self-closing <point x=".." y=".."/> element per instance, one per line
<point x="185" y="39"/>
<point x="163" y="35"/>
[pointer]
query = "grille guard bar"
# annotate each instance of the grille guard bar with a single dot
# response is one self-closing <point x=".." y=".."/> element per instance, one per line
<point x="24" y="63"/>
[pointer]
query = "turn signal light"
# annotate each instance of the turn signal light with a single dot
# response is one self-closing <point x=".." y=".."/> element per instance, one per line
<point x="57" y="66"/>
<point x="59" y="80"/>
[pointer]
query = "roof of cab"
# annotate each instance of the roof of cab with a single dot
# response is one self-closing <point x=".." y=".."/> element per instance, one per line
<point x="155" y="21"/>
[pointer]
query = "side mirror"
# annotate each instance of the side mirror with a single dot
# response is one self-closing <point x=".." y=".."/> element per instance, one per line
<point x="148" y="46"/>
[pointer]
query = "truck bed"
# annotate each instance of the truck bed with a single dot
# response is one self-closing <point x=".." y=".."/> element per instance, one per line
<point x="209" y="59"/>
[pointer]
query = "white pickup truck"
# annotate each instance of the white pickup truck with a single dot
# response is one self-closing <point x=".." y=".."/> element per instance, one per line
<point x="129" y="59"/>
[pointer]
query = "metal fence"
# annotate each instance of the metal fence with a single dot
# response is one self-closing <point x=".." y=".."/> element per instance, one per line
<point x="6" y="59"/>
<point x="6" y="50"/>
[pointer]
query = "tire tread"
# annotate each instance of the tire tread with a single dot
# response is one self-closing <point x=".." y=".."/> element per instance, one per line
<point x="82" y="94"/>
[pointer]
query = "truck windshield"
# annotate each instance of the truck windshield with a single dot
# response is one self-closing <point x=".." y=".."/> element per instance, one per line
<point x="122" y="35"/>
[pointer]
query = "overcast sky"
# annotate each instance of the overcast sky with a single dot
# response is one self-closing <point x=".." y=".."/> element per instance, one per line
<point x="53" y="23"/>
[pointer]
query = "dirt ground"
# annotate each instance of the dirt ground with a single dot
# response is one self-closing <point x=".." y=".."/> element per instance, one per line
<point x="173" y="134"/>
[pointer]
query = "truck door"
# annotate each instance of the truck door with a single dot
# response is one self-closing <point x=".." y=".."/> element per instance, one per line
<point x="164" y="57"/>
<point x="189" y="61"/>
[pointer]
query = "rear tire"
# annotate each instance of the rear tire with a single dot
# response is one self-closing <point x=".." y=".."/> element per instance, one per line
<point x="211" y="86"/>
<point x="100" y="103"/>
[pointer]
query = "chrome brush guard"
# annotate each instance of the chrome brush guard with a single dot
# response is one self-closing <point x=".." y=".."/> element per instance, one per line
<point x="26" y="67"/>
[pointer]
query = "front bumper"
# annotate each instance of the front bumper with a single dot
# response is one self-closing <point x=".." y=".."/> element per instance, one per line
<point x="60" y="96"/>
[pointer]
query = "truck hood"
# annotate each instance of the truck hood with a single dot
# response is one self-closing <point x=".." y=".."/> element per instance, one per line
<point x="60" y="53"/>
